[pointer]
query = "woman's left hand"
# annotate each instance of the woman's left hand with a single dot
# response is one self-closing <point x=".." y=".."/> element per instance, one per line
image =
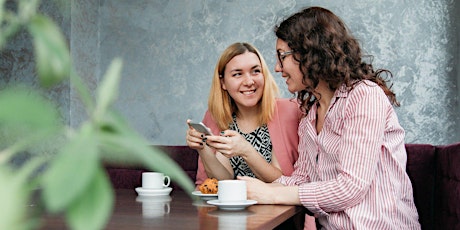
<point x="259" y="190"/>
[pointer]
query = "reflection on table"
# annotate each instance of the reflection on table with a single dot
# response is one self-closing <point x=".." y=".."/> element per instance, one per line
<point x="183" y="211"/>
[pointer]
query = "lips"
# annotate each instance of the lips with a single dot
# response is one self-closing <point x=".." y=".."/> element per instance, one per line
<point x="287" y="77"/>
<point x="248" y="92"/>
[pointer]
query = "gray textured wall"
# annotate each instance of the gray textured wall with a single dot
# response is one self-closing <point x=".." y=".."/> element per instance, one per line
<point x="170" y="48"/>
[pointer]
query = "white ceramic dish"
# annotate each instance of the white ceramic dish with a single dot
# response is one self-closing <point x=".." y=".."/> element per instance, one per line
<point x="153" y="192"/>
<point x="205" y="196"/>
<point x="202" y="204"/>
<point x="232" y="206"/>
<point x="154" y="199"/>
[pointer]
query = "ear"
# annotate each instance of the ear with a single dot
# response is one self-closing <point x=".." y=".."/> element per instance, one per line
<point x="222" y="83"/>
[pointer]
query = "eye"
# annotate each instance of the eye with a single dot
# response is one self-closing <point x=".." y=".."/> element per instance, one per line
<point x="237" y="74"/>
<point x="256" y="71"/>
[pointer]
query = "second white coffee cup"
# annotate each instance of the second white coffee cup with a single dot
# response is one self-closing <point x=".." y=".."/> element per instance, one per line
<point x="155" y="180"/>
<point x="231" y="191"/>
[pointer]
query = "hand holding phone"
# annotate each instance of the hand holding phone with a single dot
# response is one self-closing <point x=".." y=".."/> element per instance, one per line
<point x="200" y="127"/>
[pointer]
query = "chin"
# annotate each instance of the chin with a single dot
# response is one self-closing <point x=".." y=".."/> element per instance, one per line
<point x="291" y="90"/>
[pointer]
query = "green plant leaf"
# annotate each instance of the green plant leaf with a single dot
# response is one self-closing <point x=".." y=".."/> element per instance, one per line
<point x="71" y="171"/>
<point x="2" y="12"/>
<point x="107" y="91"/>
<point x="93" y="208"/>
<point x="27" y="108"/>
<point x="17" y="185"/>
<point x="26" y="119"/>
<point x="13" y="199"/>
<point x="10" y="25"/>
<point x="83" y="92"/>
<point x="51" y="51"/>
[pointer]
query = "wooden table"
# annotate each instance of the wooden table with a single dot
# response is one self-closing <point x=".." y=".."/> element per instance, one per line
<point x="181" y="211"/>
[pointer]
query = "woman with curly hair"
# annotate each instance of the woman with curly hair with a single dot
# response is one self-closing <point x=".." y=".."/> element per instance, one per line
<point x="351" y="168"/>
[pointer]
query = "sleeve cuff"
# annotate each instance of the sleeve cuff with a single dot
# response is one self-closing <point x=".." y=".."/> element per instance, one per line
<point x="307" y="196"/>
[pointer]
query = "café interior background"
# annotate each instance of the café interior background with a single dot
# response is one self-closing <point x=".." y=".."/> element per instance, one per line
<point x="169" y="50"/>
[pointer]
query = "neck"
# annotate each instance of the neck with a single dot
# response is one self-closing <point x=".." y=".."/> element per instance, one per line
<point x="324" y="94"/>
<point x="248" y="119"/>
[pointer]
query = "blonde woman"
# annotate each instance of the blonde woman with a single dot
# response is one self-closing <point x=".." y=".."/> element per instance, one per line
<point x="255" y="134"/>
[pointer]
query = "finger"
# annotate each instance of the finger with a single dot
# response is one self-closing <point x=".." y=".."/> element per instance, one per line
<point x="195" y="142"/>
<point x="217" y="140"/>
<point x="192" y="132"/>
<point x="194" y="136"/>
<point x="228" y="133"/>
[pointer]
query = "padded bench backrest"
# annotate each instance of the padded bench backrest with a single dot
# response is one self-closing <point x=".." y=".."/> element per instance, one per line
<point x="421" y="170"/>
<point x="186" y="157"/>
<point x="447" y="200"/>
<point x="130" y="176"/>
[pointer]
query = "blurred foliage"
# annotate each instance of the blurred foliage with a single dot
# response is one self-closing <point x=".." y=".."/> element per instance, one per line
<point x="64" y="170"/>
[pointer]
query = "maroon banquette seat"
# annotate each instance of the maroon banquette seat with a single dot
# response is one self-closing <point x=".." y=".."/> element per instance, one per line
<point x="434" y="172"/>
<point x="130" y="177"/>
<point x="435" y="175"/>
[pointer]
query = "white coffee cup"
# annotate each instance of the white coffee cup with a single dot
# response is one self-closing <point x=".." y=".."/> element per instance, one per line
<point x="155" y="180"/>
<point x="232" y="191"/>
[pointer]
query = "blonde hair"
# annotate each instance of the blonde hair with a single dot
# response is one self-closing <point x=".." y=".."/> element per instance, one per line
<point x="221" y="105"/>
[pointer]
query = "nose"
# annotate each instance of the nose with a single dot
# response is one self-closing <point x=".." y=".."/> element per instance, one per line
<point x="249" y="81"/>
<point x="278" y="67"/>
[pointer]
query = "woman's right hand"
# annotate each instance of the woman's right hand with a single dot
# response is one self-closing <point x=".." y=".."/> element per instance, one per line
<point x="230" y="143"/>
<point x="194" y="138"/>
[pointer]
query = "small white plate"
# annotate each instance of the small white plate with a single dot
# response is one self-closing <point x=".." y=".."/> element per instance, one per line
<point x="154" y="199"/>
<point x="202" y="204"/>
<point x="205" y="196"/>
<point x="232" y="206"/>
<point x="153" y="192"/>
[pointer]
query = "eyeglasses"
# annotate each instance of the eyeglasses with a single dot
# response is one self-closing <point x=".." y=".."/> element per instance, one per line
<point x="283" y="55"/>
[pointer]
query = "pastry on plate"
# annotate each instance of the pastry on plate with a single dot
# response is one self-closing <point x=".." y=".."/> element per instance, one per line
<point x="209" y="186"/>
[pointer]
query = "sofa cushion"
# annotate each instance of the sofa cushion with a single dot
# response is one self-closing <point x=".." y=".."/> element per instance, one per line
<point x="421" y="170"/>
<point x="130" y="176"/>
<point x="447" y="201"/>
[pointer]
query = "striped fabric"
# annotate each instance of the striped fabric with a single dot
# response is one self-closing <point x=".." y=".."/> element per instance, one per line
<point x="352" y="174"/>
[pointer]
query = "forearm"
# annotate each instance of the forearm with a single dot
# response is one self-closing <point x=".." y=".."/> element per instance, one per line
<point x="213" y="166"/>
<point x="288" y="195"/>
<point x="271" y="193"/>
<point x="261" y="168"/>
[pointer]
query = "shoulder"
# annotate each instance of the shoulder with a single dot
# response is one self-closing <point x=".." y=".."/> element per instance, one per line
<point x="208" y="120"/>
<point x="287" y="110"/>
<point x="366" y="88"/>
<point x="208" y="116"/>
<point x="286" y="103"/>
<point x="367" y="93"/>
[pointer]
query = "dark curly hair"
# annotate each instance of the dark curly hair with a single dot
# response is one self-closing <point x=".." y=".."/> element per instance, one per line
<point x="326" y="50"/>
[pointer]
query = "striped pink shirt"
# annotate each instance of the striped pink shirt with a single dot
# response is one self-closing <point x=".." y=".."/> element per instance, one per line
<point x="352" y="174"/>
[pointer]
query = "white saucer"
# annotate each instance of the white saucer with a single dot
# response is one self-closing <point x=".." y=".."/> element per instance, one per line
<point x="205" y="196"/>
<point x="154" y="199"/>
<point x="232" y="206"/>
<point x="202" y="204"/>
<point x="153" y="192"/>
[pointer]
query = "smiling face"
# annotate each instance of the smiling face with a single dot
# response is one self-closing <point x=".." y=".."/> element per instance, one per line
<point x="289" y="69"/>
<point x="243" y="80"/>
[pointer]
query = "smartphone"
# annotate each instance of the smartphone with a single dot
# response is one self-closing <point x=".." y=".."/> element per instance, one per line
<point x="200" y="127"/>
